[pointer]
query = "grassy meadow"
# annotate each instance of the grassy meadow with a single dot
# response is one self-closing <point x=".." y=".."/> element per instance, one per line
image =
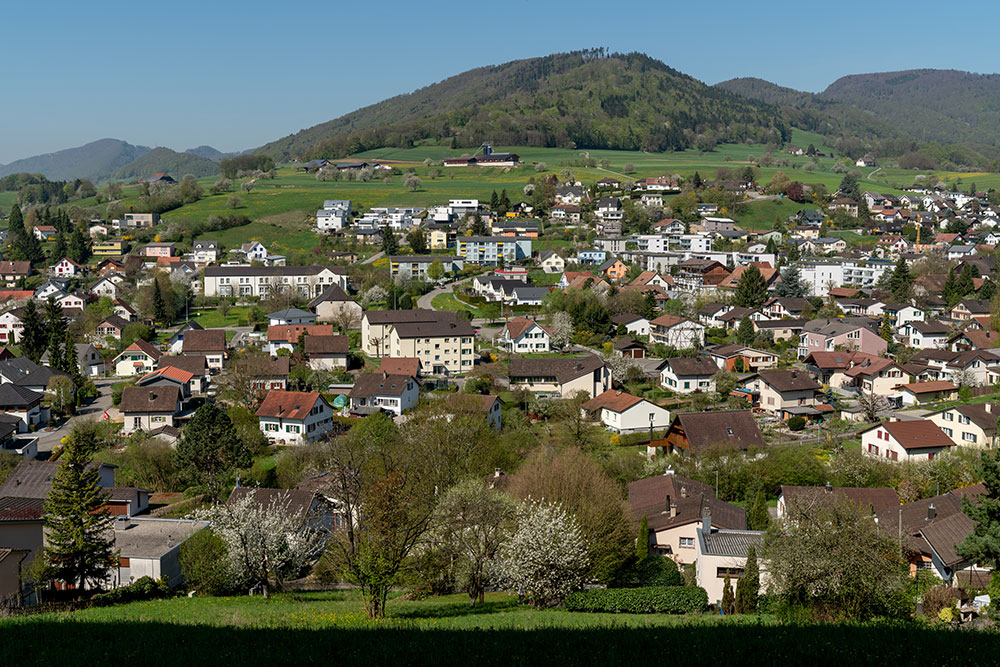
<point x="331" y="628"/>
<point x="281" y="209"/>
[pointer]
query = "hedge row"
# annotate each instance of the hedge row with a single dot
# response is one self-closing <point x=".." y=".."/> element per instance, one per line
<point x="144" y="588"/>
<point x="649" y="600"/>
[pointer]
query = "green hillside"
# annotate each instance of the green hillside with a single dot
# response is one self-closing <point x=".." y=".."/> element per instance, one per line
<point x="164" y="160"/>
<point x="585" y="99"/>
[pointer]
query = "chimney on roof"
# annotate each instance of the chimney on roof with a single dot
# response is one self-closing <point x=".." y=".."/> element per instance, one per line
<point x="989" y="408"/>
<point x="706" y="520"/>
<point x="684" y="492"/>
<point x="829" y="488"/>
<point x="931" y="512"/>
<point x="673" y="509"/>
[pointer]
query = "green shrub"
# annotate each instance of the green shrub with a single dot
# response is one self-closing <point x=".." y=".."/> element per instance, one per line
<point x="653" y="570"/>
<point x="203" y="562"/>
<point x="796" y="423"/>
<point x="649" y="600"/>
<point x="144" y="588"/>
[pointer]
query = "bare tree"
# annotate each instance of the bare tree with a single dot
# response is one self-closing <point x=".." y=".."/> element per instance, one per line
<point x="872" y="405"/>
<point x="346" y="319"/>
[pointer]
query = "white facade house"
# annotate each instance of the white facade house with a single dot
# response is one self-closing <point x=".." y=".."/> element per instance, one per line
<point x="205" y="252"/>
<point x="294" y="417"/>
<point x="522" y="335"/>
<point x="394" y="394"/>
<point x="687" y="375"/>
<point x="624" y="413"/>
<point x="260" y="281"/>
<point x="676" y="332"/>
<point x="913" y="440"/>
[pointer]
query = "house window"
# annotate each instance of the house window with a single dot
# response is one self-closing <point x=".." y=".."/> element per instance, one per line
<point x="947" y="431"/>
<point x="731" y="572"/>
<point x="969" y="437"/>
<point x="270" y="427"/>
<point x="687" y="543"/>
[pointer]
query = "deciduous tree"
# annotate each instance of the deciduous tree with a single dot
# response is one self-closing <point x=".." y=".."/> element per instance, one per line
<point x="473" y="521"/>
<point x="546" y="558"/>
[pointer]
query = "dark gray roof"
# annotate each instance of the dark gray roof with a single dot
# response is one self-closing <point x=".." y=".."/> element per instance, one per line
<point x="400" y="316"/>
<point x="332" y="293"/>
<point x="379" y="384"/>
<point x="687" y="366"/>
<point x="290" y="312"/>
<point x="563" y="369"/>
<point x="434" y="329"/>
<point x="14" y="396"/>
<point x="33" y="479"/>
<point x="725" y="542"/>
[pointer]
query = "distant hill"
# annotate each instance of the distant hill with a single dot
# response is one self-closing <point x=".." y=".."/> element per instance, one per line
<point x="94" y="161"/>
<point x="164" y="160"/>
<point x="586" y="99"/>
<point x="946" y="106"/>
<point x="765" y="91"/>
<point x="208" y="153"/>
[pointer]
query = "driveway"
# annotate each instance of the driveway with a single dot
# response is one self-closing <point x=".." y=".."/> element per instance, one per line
<point x="373" y="257"/>
<point x="424" y="302"/>
<point x="47" y="440"/>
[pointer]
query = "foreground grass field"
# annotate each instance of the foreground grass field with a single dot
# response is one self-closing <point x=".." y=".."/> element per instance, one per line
<point x="329" y="628"/>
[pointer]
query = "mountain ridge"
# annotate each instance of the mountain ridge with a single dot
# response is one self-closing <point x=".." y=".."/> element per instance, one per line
<point x="584" y="99"/>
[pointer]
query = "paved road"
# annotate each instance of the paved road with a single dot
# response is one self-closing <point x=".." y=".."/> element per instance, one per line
<point x="424" y="302"/>
<point x="47" y="440"/>
<point x="373" y="257"/>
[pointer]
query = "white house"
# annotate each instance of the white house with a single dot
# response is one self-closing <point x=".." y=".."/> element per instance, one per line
<point x="686" y="375"/>
<point x="254" y="251"/>
<point x="149" y="408"/>
<point x="374" y="392"/>
<point x="205" y="252"/>
<point x="635" y="325"/>
<point x="138" y="358"/>
<point x="551" y="261"/>
<point x="676" y="332"/>
<point x="905" y="440"/>
<point x="294" y="417"/>
<point x="625" y="413"/>
<point x="972" y="425"/>
<point x="66" y="268"/>
<point x="10" y="326"/>
<point x="522" y="335"/>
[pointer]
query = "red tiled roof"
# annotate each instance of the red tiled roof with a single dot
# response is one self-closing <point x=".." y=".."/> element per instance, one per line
<point x="614" y="400"/>
<point x="928" y="387"/>
<point x="409" y="366"/>
<point x="916" y="434"/>
<point x="288" y="404"/>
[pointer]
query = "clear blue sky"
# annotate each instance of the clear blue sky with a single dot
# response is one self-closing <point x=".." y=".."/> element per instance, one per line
<point x="235" y="75"/>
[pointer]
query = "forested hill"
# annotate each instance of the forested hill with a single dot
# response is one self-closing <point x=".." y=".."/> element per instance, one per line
<point x="93" y="161"/>
<point x="753" y="88"/>
<point x="946" y="106"/>
<point x="586" y="99"/>
<point x="164" y="160"/>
